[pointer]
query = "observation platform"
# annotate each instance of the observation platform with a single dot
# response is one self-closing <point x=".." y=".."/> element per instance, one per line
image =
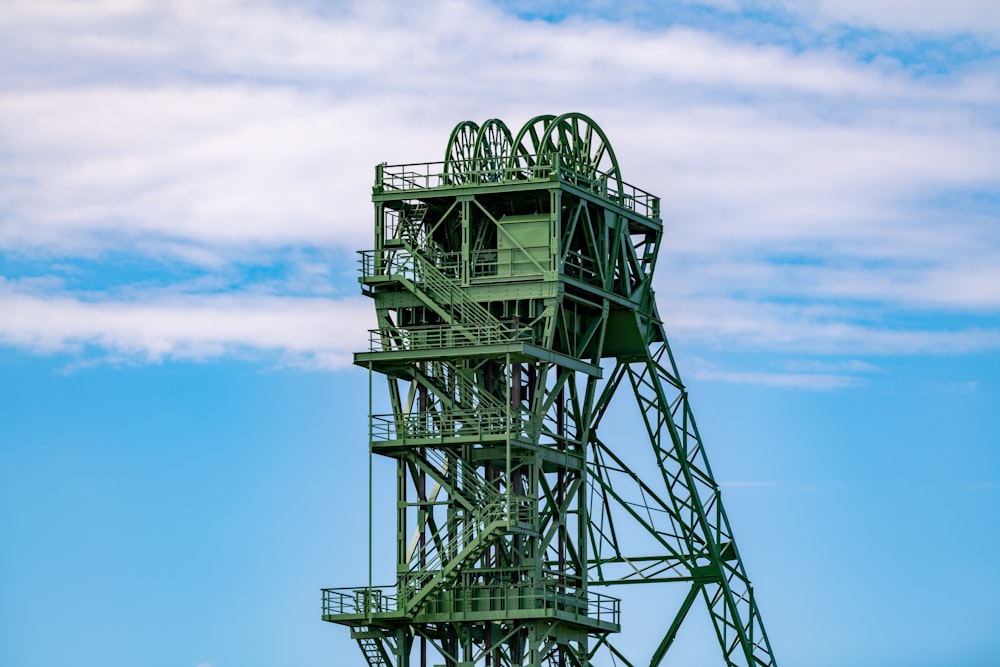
<point x="377" y="605"/>
<point x="531" y="172"/>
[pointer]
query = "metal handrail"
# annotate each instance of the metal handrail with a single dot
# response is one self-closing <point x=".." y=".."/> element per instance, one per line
<point x="365" y="601"/>
<point x="543" y="166"/>
<point x="444" y="336"/>
<point x="420" y="269"/>
<point x="498" y="598"/>
<point x="444" y="423"/>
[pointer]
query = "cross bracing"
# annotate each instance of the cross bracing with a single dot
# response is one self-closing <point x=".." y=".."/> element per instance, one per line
<point x="512" y="284"/>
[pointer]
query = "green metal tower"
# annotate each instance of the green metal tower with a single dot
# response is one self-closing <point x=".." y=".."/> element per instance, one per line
<point x="513" y="288"/>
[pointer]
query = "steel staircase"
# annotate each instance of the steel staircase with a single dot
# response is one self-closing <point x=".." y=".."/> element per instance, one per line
<point x="410" y="225"/>
<point x="372" y="648"/>
<point x="479" y="514"/>
<point x="456" y="387"/>
<point x="488" y="515"/>
<point x="418" y="274"/>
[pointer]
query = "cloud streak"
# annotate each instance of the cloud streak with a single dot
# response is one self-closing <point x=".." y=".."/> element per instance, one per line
<point x="311" y="332"/>
<point x="815" y="329"/>
<point x="810" y="375"/>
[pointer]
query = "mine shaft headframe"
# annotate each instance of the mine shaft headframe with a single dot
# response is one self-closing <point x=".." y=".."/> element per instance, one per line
<point x="530" y="510"/>
<point x="479" y="154"/>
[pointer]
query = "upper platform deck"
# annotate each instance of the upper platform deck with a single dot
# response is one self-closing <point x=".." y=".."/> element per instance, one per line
<point x="441" y="178"/>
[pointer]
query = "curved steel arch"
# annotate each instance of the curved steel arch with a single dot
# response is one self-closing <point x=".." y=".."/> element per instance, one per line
<point x="528" y="146"/>
<point x="584" y="148"/>
<point x="492" y="150"/>
<point x="459" y="156"/>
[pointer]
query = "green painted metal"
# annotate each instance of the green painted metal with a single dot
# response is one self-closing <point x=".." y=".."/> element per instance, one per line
<point x="513" y="289"/>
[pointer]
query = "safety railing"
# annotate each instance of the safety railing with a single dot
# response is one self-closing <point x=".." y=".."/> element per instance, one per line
<point x="482" y="423"/>
<point x="368" y="602"/>
<point x="463" y="538"/>
<point x="454" y="542"/>
<point x="444" y="336"/>
<point x="581" y="266"/>
<point x="359" y="601"/>
<point x="472" y="484"/>
<point x="402" y="263"/>
<point x="478" y="424"/>
<point x="484" y="264"/>
<point x="502" y="599"/>
<point x="461" y="386"/>
<point x="604" y="608"/>
<point x="425" y="175"/>
<point x="436" y="280"/>
<point x="474" y="529"/>
<point x="428" y="175"/>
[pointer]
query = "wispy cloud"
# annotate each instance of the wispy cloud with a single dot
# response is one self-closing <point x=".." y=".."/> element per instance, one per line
<point x="312" y="332"/>
<point x="812" y="381"/>
<point x="747" y="485"/>
<point x="907" y="16"/>
<point x="810" y="375"/>
<point x="976" y="16"/>
<point x="816" y="328"/>
<point x="982" y="486"/>
<point x="177" y="168"/>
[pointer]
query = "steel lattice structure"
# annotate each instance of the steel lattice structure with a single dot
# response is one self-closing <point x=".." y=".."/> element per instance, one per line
<point x="513" y="288"/>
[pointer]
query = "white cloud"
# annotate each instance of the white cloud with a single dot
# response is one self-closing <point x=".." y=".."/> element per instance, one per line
<point x="823" y="366"/>
<point x="810" y="375"/>
<point x="313" y="332"/>
<point x="811" y="381"/>
<point x="925" y="16"/>
<point x="982" y="486"/>
<point x="747" y="176"/>
<point x="271" y="138"/>
<point x="204" y="132"/>
<point x="747" y="485"/>
<point x="813" y="328"/>
<point x="194" y="166"/>
<point x="907" y="15"/>
<point x="264" y="135"/>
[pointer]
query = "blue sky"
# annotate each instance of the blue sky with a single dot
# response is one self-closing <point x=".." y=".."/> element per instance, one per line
<point x="183" y="187"/>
